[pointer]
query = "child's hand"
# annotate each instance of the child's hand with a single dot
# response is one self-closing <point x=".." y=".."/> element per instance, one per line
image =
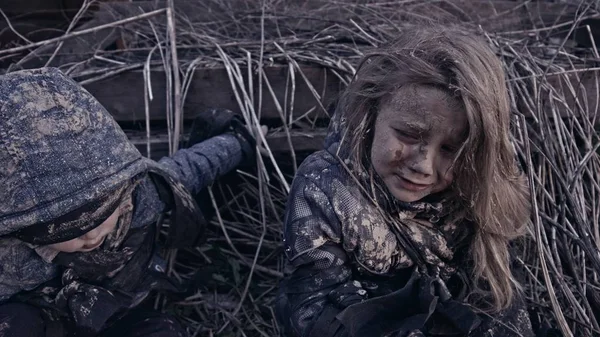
<point x="212" y="122"/>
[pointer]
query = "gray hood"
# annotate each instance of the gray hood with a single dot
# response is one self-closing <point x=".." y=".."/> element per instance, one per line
<point x="59" y="148"/>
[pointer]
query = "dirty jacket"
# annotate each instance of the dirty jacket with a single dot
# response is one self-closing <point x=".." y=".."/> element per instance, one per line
<point x="22" y="269"/>
<point x="352" y="272"/>
<point x="60" y="151"/>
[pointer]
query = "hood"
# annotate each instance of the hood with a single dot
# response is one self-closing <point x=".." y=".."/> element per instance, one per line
<point x="59" y="149"/>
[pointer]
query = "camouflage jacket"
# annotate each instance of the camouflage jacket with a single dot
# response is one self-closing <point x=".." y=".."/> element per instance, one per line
<point x="21" y="268"/>
<point x="343" y="252"/>
<point x="60" y="150"/>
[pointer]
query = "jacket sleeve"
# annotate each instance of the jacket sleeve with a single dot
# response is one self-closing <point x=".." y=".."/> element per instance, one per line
<point x="21" y="269"/>
<point x="200" y="165"/>
<point x="320" y="285"/>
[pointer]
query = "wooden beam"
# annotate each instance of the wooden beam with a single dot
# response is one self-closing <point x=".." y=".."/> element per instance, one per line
<point x="500" y="15"/>
<point x="123" y="95"/>
<point x="572" y="94"/>
<point x="278" y="142"/>
<point x="580" y="90"/>
<point x="18" y="7"/>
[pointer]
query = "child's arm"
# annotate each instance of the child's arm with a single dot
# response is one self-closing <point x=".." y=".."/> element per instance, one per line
<point x="321" y="284"/>
<point x="201" y="164"/>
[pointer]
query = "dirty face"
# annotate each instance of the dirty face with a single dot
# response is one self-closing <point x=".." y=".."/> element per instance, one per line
<point x="90" y="240"/>
<point x="418" y="132"/>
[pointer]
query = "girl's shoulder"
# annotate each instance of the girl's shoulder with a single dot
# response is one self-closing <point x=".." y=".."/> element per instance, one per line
<point x="322" y="166"/>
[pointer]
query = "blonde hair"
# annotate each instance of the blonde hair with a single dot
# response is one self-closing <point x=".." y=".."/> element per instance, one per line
<point x="487" y="179"/>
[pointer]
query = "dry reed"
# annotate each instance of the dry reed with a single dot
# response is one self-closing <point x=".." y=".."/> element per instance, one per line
<point x="554" y="89"/>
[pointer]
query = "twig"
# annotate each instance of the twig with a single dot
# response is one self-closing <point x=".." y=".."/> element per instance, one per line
<point x="177" y="110"/>
<point x="82" y="32"/>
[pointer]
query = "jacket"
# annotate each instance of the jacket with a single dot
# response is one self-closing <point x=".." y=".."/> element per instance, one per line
<point x="350" y="273"/>
<point x="61" y="151"/>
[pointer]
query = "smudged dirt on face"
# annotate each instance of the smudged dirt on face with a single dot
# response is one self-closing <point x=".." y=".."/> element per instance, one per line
<point x="397" y="159"/>
<point x="416" y="131"/>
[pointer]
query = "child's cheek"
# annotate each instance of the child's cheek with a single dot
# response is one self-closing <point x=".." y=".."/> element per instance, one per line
<point x="397" y="154"/>
<point x="447" y="179"/>
<point x="395" y="150"/>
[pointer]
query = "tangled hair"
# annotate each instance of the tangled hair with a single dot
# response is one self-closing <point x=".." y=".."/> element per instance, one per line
<point x="487" y="180"/>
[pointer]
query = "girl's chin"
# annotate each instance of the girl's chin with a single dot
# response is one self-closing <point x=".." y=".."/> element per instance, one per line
<point x="405" y="196"/>
<point x="406" y="192"/>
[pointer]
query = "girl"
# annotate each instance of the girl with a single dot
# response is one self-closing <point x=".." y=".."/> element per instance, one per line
<point x="401" y="226"/>
<point x="80" y="209"/>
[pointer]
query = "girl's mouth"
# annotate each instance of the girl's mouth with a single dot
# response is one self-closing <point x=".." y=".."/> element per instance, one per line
<point x="411" y="186"/>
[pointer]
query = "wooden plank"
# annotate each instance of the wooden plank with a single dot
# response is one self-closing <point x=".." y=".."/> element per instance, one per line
<point x="571" y="94"/>
<point x="499" y="15"/>
<point x="493" y="16"/>
<point x="123" y="95"/>
<point x="16" y="7"/>
<point x="579" y="91"/>
<point x="44" y="7"/>
<point x="278" y="142"/>
<point x="32" y="29"/>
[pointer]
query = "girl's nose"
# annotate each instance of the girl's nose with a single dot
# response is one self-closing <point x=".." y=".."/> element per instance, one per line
<point x="422" y="161"/>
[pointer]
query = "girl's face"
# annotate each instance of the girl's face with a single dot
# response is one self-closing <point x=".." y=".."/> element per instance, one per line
<point x="90" y="240"/>
<point x="418" y="131"/>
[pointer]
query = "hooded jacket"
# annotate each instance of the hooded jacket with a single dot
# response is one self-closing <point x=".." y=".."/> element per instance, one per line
<point x="61" y="152"/>
<point x="358" y="271"/>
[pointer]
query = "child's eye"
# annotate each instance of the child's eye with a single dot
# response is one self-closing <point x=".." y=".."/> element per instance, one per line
<point x="451" y="149"/>
<point x="407" y="135"/>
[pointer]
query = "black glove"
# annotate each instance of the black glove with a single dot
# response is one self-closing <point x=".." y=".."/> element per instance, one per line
<point x="90" y="306"/>
<point x="213" y="122"/>
<point x="408" y="310"/>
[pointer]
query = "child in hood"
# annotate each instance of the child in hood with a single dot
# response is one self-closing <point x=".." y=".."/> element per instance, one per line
<point x="80" y="206"/>
<point x="401" y="226"/>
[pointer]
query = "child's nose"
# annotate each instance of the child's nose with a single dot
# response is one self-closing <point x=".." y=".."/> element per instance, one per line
<point x="91" y="235"/>
<point x="423" y="160"/>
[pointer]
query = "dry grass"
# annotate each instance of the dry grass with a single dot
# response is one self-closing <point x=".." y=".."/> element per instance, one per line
<point x="237" y="270"/>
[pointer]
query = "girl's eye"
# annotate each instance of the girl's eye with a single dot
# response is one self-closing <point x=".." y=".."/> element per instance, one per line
<point x="407" y="135"/>
<point x="450" y="149"/>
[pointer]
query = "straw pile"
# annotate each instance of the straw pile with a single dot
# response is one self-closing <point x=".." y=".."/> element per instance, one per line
<point x="551" y="61"/>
